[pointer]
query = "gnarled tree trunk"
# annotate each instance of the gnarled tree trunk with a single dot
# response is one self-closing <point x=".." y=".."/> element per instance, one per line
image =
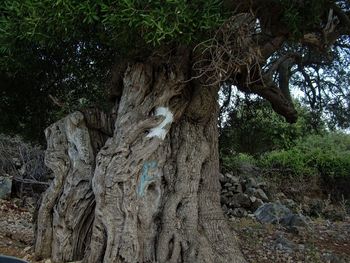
<point x="155" y="188"/>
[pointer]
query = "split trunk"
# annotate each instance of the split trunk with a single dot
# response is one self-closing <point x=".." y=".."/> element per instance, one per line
<point x="141" y="185"/>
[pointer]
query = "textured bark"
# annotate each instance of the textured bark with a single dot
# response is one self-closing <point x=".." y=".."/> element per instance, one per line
<point x="155" y="183"/>
<point x="66" y="211"/>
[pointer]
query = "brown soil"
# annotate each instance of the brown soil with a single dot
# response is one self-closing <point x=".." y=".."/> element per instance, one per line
<point x="322" y="241"/>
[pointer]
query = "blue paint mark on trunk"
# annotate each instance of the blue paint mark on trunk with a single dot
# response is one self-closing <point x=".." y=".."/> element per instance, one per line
<point x="146" y="178"/>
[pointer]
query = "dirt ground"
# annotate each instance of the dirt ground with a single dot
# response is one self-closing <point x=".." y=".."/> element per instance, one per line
<point x="321" y="241"/>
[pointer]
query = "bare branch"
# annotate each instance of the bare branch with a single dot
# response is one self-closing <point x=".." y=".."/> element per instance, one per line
<point x="56" y="101"/>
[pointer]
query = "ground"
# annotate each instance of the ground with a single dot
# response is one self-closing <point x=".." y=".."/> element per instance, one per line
<point x="322" y="241"/>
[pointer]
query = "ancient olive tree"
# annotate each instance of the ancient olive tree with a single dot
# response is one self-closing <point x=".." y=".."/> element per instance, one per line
<point x="139" y="183"/>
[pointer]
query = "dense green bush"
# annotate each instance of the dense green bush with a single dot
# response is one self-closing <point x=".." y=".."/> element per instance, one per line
<point x="327" y="155"/>
<point x="253" y="127"/>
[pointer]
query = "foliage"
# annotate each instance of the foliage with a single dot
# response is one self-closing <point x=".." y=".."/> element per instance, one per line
<point x="234" y="161"/>
<point x="299" y="16"/>
<point x="66" y="72"/>
<point x="115" y="23"/>
<point x="66" y="49"/>
<point x="327" y="155"/>
<point x="253" y="127"/>
<point x="326" y="88"/>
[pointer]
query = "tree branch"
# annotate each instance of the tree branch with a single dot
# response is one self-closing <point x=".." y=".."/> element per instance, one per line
<point x="269" y="91"/>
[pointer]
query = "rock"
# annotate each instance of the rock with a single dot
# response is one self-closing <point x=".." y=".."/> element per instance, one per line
<point x="272" y="213"/>
<point x="294" y="223"/>
<point x="250" y="191"/>
<point x="233" y="205"/>
<point x="232" y="178"/>
<point x="261" y="194"/>
<point x="241" y="200"/>
<point x="222" y="178"/>
<point x="247" y="169"/>
<point x="240" y="212"/>
<point x="26" y="249"/>
<point x="230" y="211"/>
<point x="289" y="203"/>
<point x="252" y="199"/>
<point x="236" y="188"/>
<point x="298" y="220"/>
<point x="5" y="187"/>
<point x="227" y="185"/>
<point x="284" y="244"/>
<point x="332" y="258"/>
<point x="228" y="194"/>
<point x="224" y="200"/>
<point x="256" y="204"/>
<point x="251" y="183"/>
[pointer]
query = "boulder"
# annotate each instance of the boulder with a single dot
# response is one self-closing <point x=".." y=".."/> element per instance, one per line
<point x="272" y="213"/>
<point x="278" y="213"/>
<point x="294" y="221"/>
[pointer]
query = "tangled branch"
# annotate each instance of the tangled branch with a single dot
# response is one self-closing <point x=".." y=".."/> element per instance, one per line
<point x="232" y="50"/>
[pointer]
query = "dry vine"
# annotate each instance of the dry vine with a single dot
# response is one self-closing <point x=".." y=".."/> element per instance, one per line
<point x="231" y="51"/>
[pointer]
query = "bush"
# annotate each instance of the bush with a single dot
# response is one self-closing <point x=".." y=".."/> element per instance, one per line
<point x="253" y="127"/>
<point x="24" y="163"/>
<point x="235" y="161"/>
<point x="327" y="155"/>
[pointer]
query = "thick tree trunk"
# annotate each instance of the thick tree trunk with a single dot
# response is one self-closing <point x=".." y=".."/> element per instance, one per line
<point x="155" y="183"/>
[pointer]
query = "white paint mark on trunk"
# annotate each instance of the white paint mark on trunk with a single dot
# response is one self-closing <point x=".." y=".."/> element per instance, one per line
<point x="160" y="131"/>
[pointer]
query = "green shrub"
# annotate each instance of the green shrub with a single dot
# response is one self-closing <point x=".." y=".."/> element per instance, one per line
<point x="327" y="155"/>
<point x="253" y="127"/>
<point x="234" y="161"/>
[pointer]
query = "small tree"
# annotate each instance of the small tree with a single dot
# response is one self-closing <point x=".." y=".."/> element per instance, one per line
<point x="141" y="184"/>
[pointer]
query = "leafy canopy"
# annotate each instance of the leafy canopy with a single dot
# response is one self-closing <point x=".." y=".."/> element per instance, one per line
<point x="120" y="23"/>
<point x="66" y="49"/>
